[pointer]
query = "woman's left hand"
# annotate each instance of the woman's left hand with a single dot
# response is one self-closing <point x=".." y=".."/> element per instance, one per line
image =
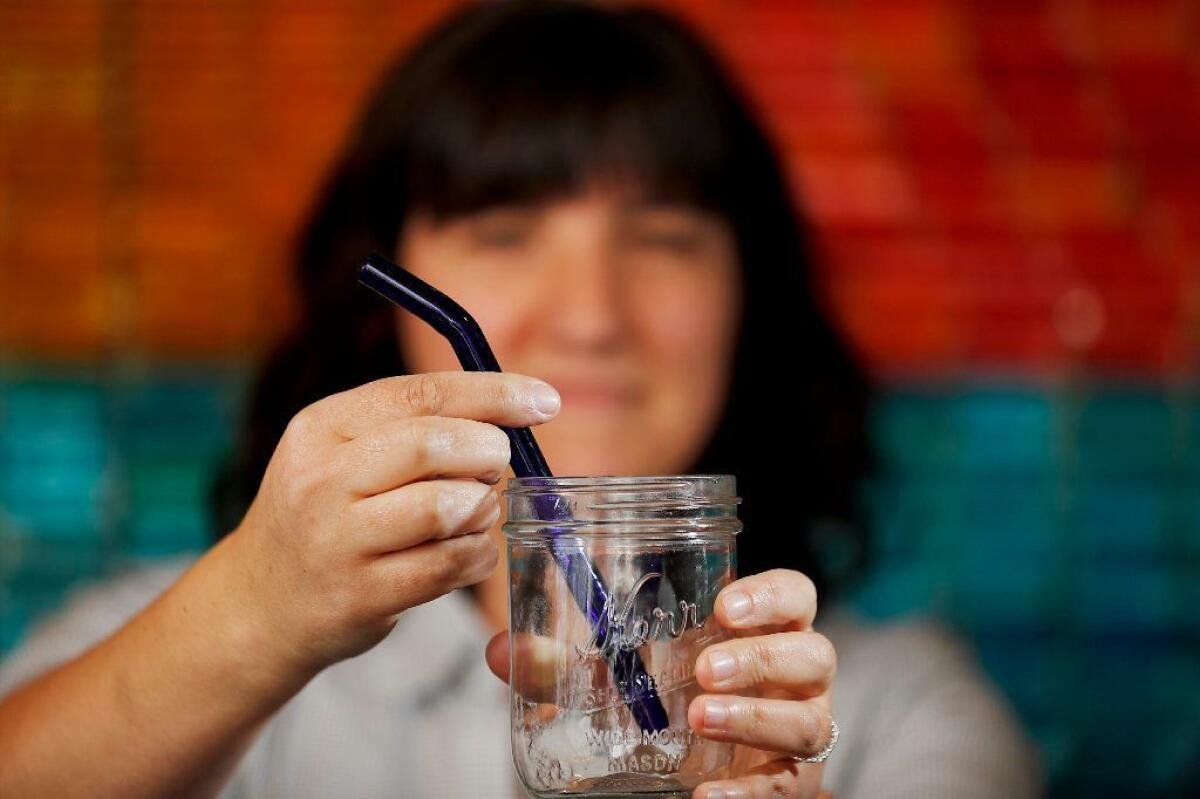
<point x="767" y="688"/>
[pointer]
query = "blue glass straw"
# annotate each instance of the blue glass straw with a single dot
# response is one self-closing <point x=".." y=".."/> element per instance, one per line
<point x="443" y="314"/>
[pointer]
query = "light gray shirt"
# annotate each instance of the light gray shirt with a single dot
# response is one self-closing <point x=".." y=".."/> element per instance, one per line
<point x="420" y="715"/>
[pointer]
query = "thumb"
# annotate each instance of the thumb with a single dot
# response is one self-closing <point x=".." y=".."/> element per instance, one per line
<point x="537" y="659"/>
<point x="496" y="655"/>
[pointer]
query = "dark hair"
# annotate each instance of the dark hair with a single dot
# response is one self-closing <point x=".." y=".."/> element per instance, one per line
<point x="525" y="101"/>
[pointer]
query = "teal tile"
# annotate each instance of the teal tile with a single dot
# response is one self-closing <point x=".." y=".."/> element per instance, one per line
<point x="1120" y="519"/>
<point x="997" y="590"/>
<point x="1129" y="598"/>
<point x="915" y="516"/>
<point x="171" y="482"/>
<point x="166" y="530"/>
<point x="1004" y="430"/>
<point x="1017" y="515"/>
<point x="913" y="432"/>
<point x="1126" y="433"/>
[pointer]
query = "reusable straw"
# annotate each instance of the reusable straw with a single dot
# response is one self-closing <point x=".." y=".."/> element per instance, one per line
<point x="401" y="287"/>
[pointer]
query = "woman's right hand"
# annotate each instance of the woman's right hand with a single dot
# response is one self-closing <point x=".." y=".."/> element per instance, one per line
<point x="378" y="499"/>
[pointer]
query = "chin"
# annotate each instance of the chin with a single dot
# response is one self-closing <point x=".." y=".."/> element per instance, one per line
<point x="592" y="457"/>
<point x="583" y="444"/>
<point x="576" y="466"/>
<point x="589" y="452"/>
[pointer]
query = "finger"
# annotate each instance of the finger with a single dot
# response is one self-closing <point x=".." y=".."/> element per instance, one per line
<point x="791" y="727"/>
<point x="430" y="510"/>
<point x="502" y="398"/>
<point x="405" y="450"/>
<point x="406" y="579"/>
<point x="496" y="655"/>
<point x="776" y="778"/>
<point x="777" y="597"/>
<point x="802" y="663"/>
<point x="533" y="662"/>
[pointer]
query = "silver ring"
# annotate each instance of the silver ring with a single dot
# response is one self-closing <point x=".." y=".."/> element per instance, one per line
<point x="820" y="757"/>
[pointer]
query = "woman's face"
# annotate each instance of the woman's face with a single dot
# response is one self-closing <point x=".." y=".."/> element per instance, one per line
<point x="630" y="310"/>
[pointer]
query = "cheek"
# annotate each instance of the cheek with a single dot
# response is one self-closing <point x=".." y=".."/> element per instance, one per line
<point x="690" y="329"/>
<point x="688" y="337"/>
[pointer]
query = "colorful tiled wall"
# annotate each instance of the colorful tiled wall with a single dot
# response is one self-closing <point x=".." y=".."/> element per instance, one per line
<point x="101" y="470"/>
<point x="1006" y="194"/>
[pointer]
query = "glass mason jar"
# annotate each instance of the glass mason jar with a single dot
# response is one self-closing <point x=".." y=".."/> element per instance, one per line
<point x="611" y="588"/>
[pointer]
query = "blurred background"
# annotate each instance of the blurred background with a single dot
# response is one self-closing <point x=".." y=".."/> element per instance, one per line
<point x="1007" y="198"/>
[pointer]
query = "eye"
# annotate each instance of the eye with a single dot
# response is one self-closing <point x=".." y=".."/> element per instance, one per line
<point x="679" y="241"/>
<point x="502" y="229"/>
<point x="678" y="233"/>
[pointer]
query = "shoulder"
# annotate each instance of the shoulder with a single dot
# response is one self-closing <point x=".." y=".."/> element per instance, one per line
<point x="887" y="671"/>
<point x="910" y="694"/>
<point x="89" y="614"/>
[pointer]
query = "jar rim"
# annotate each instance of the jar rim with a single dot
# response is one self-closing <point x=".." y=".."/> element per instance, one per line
<point x="696" y="500"/>
<point x="525" y="484"/>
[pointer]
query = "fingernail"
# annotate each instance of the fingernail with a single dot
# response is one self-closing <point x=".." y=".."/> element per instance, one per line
<point x="716" y="714"/>
<point x="545" y="399"/>
<point x="714" y="793"/>
<point x="721" y="665"/>
<point x="737" y="605"/>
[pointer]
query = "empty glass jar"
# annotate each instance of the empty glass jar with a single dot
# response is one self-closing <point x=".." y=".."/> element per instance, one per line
<point x="612" y="583"/>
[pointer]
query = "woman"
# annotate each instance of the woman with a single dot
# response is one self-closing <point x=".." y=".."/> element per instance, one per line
<point x="589" y="186"/>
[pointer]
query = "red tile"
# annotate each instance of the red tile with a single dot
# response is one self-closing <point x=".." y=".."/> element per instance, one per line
<point x="1054" y="117"/>
<point x="870" y="190"/>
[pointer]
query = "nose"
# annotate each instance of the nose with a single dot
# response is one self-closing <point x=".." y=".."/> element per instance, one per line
<point x="586" y="311"/>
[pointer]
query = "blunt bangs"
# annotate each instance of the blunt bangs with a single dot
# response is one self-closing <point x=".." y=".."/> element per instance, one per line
<point x="542" y="110"/>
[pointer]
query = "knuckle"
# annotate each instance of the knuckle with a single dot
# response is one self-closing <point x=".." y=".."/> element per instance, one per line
<point x="771" y="591"/>
<point x="426" y="442"/>
<point x="822" y="653"/>
<point x="433" y="511"/>
<point x="490" y="560"/>
<point x="807" y="730"/>
<point x="764" y="660"/>
<point x="782" y="786"/>
<point x="433" y="570"/>
<point x="806" y="587"/>
<point x="300" y="427"/>
<point x="498" y="444"/>
<point x="758" y="719"/>
<point x="423" y="395"/>
<point x="305" y="477"/>
<point x="486" y="445"/>
<point x="481" y="557"/>
<point x="514" y="392"/>
<point x="781" y="585"/>
<point x="502" y="391"/>
<point x="462" y="558"/>
<point x="486" y="553"/>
